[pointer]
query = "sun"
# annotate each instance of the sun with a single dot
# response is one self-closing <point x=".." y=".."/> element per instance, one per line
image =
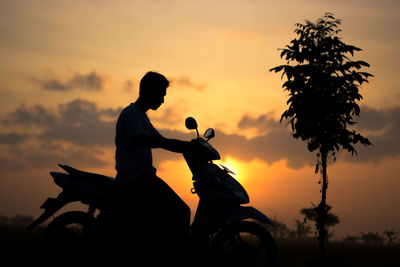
<point x="236" y="167"/>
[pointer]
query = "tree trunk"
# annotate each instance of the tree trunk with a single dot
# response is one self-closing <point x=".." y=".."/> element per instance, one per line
<point x="322" y="207"/>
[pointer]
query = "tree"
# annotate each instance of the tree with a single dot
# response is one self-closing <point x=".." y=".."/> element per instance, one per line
<point x="351" y="239"/>
<point x="391" y="236"/>
<point x="18" y="219"/>
<point x="301" y="229"/>
<point x="278" y="229"/>
<point x="371" y="238"/>
<point x="311" y="214"/>
<point x="323" y="85"/>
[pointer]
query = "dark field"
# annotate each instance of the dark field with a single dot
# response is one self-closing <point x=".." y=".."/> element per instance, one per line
<point x="19" y="245"/>
<point x="304" y="253"/>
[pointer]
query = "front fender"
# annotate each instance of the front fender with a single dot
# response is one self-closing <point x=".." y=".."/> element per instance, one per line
<point x="241" y="213"/>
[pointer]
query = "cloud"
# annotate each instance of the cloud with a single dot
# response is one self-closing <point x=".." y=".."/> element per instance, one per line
<point x="78" y="131"/>
<point x="129" y="86"/>
<point x="377" y="119"/>
<point x="184" y="81"/>
<point x="270" y="147"/>
<point x="380" y="126"/>
<point x="170" y="116"/>
<point x="75" y="133"/>
<point x="383" y="130"/>
<point x="262" y="123"/>
<point x="80" y="122"/>
<point x="54" y="85"/>
<point x="89" y="82"/>
<point x="20" y="158"/>
<point x="274" y="141"/>
<point x="12" y="138"/>
<point x="30" y="116"/>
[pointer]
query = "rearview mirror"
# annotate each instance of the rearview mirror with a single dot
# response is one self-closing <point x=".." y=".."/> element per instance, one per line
<point x="190" y="123"/>
<point x="209" y="133"/>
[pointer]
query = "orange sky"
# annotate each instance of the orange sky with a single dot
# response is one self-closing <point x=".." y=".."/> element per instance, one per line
<point x="67" y="68"/>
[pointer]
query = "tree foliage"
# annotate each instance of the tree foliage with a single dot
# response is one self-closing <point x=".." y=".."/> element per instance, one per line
<point x="371" y="238"/>
<point x="312" y="215"/>
<point x="391" y="236"/>
<point x="301" y="229"/>
<point x="323" y="86"/>
<point x="17" y="219"/>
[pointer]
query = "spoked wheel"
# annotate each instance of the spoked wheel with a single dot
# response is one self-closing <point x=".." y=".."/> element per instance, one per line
<point x="244" y="243"/>
<point x="71" y="230"/>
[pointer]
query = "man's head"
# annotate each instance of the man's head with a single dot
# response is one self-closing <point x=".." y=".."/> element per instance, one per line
<point x="153" y="88"/>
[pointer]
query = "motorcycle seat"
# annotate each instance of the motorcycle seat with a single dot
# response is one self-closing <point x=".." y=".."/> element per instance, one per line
<point x="95" y="178"/>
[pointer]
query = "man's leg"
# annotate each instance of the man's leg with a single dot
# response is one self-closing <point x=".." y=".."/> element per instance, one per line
<point x="171" y="214"/>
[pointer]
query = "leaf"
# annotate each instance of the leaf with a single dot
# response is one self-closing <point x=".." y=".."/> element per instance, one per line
<point x="284" y="52"/>
<point x="356" y="109"/>
<point x="277" y="69"/>
<point x="351" y="49"/>
<point x="363" y="63"/>
<point x="366" y="74"/>
<point x="317" y="168"/>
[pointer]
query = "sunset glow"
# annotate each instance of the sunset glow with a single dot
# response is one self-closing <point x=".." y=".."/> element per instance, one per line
<point x="67" y="69"/>
<point x="238" y="171"/>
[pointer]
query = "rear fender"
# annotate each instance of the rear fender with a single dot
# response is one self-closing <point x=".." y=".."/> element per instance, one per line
<point x="50" y="206"/>
<point x="61" y="179"/>
<point x="241" y="213"/>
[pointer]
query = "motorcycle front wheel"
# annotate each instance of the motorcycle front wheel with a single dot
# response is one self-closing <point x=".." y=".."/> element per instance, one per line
<point x="244" y="243"/>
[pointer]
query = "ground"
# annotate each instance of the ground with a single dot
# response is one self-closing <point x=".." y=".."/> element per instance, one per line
<point x="18" y="244"/>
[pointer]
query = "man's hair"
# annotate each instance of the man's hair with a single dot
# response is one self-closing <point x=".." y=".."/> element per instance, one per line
<point x="152" y="82"/>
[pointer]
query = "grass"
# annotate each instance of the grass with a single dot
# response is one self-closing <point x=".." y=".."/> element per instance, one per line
<point x="304" y="252"/>
<point x="19" y="244"/>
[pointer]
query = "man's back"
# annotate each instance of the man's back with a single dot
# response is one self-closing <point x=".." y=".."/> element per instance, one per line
<point x="131" y="158"/>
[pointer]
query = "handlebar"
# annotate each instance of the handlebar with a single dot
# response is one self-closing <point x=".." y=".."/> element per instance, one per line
<point x="202" y="150"/>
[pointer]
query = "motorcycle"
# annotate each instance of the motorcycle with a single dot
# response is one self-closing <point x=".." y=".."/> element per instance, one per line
<point x="232" y="233"/>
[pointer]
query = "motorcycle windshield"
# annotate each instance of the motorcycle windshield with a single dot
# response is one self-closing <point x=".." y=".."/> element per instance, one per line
<point x="221" y="176"/>
<point x="234" y="185"/>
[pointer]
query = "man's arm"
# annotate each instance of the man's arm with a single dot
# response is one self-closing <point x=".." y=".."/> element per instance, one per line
<point x="173" y="145"/>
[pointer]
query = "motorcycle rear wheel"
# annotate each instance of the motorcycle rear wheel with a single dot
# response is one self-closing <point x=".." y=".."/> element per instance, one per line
<point x="244" y="243"/>
<point x="70" y="230"/>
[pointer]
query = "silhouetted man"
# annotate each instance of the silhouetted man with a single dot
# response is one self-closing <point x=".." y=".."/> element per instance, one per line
<point x="154" y="202"/>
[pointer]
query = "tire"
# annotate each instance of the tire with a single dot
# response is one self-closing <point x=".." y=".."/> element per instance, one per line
<point x="244" y="243"/>
<point x="72" y="230"/>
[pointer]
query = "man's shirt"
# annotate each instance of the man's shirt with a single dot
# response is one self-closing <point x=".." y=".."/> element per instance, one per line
<point x="131" y="159"/>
